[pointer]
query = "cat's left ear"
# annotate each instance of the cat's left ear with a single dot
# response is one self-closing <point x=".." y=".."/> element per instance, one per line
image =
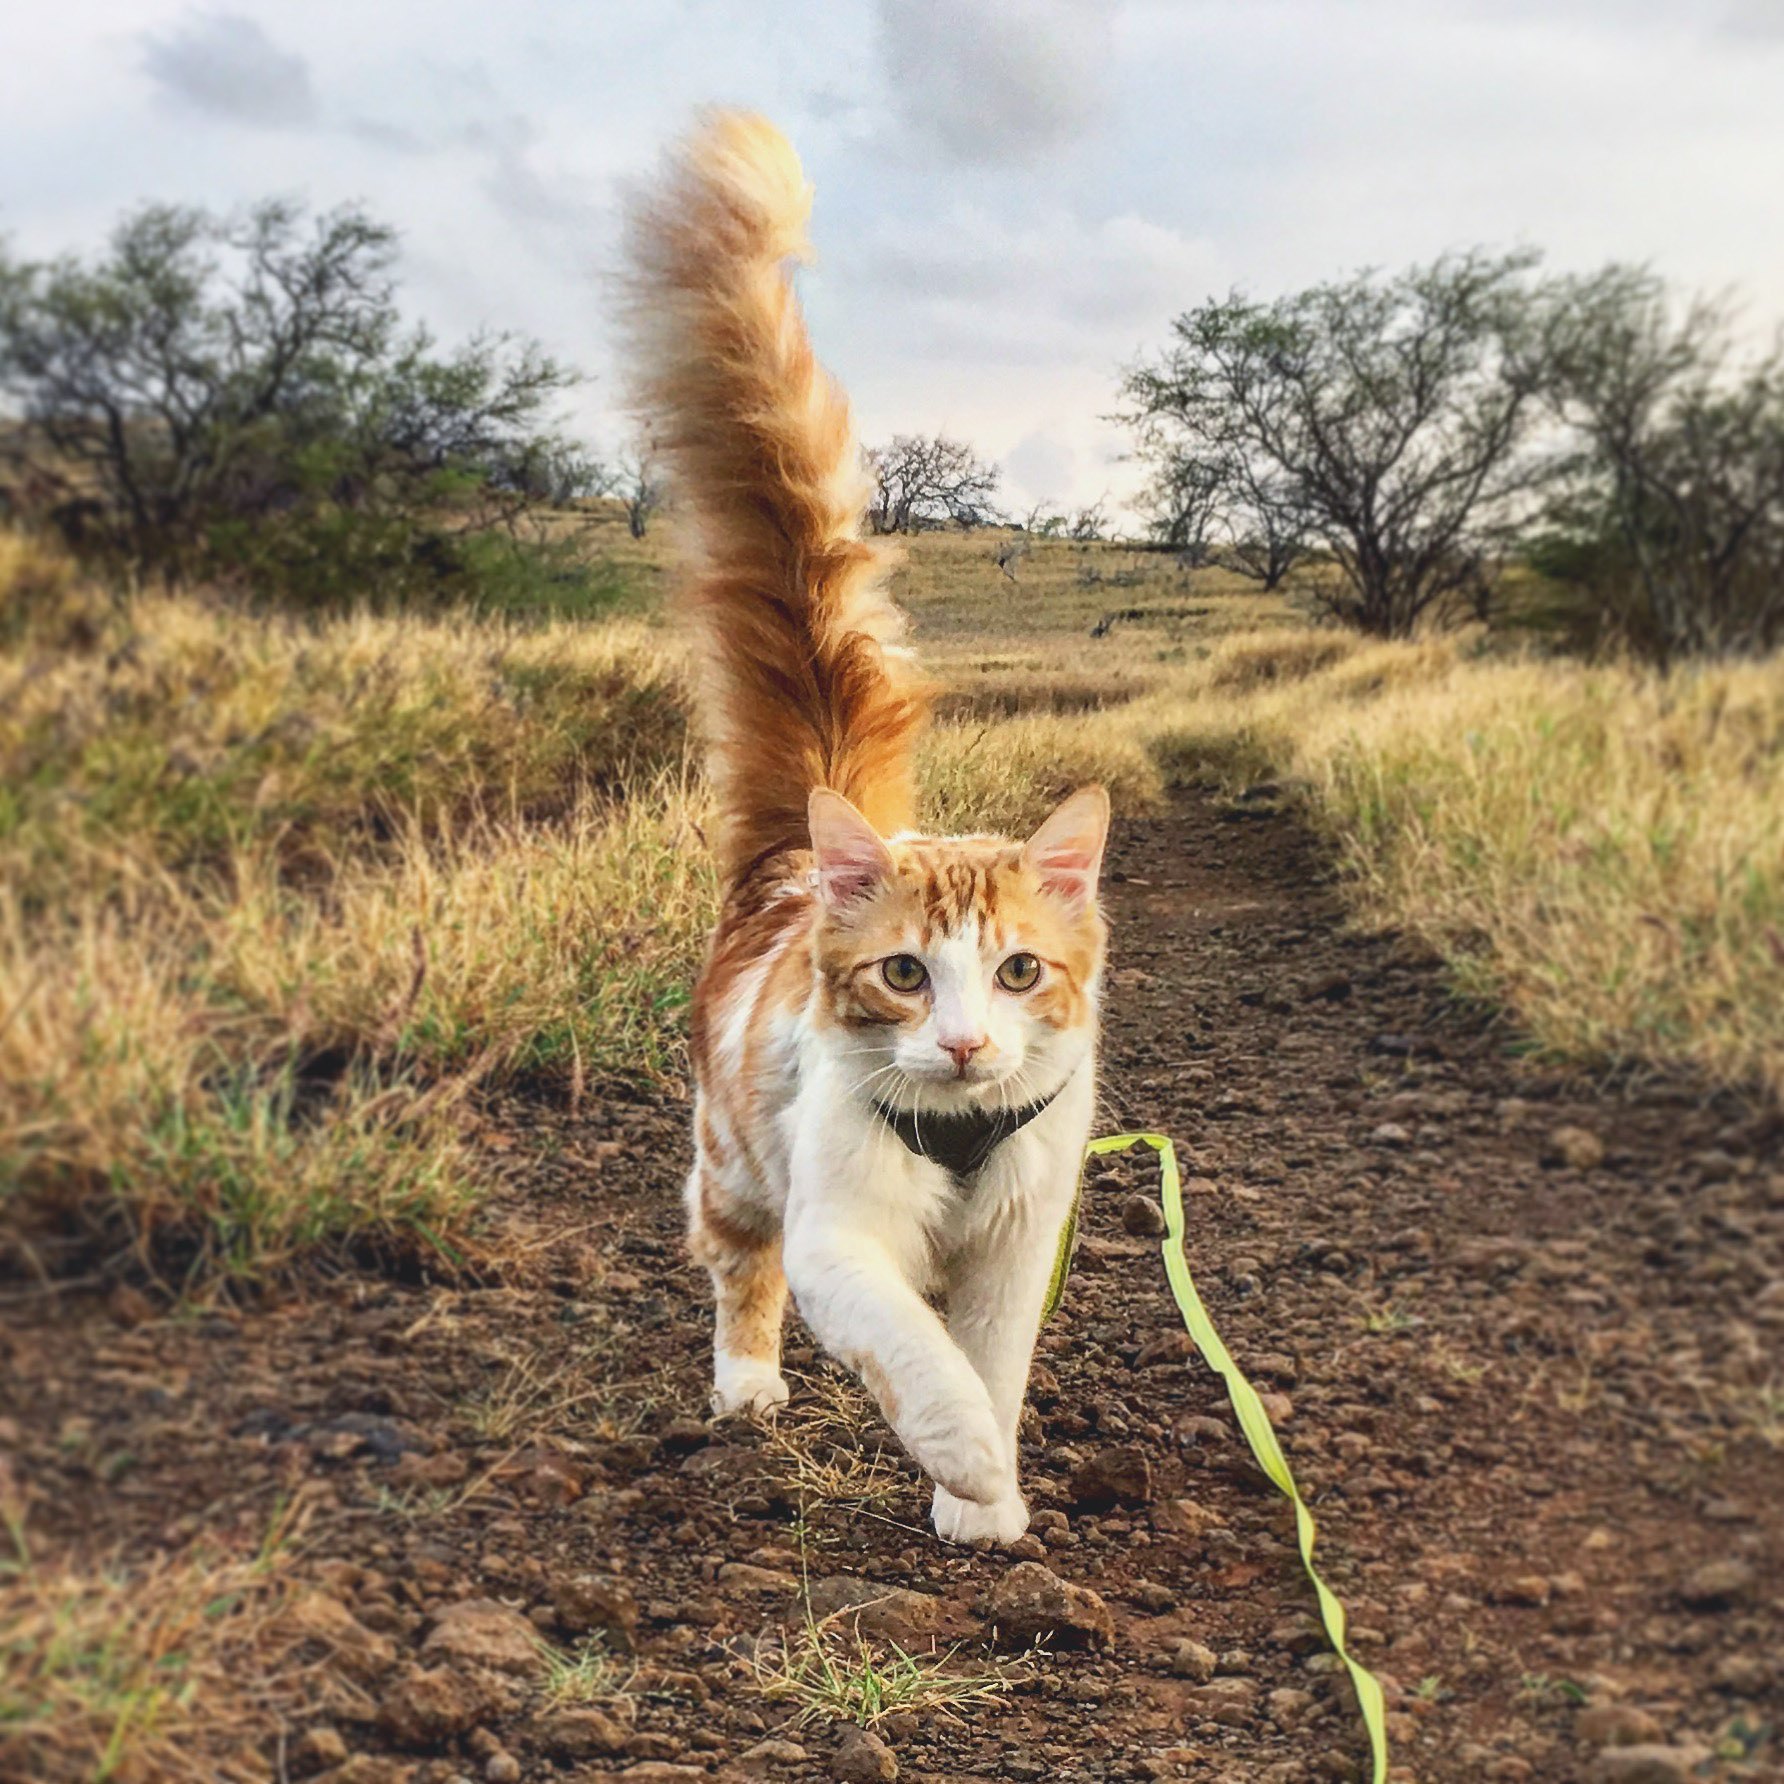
<point x="1067" y="850"/>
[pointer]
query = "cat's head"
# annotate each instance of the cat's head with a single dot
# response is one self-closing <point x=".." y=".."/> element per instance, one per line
<point x="959" y="970"/>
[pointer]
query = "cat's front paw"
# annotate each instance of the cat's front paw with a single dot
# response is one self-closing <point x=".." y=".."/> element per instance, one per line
<point x="968" y="1462"/>
<point x="969" y="1521"/>
<point x="746" y="1384"/>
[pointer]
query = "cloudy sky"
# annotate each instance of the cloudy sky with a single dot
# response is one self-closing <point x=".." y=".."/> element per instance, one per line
<point x="1014" y="196"/>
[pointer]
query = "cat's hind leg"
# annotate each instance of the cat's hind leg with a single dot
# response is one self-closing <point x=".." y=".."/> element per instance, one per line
<point x="740" y="1245"/>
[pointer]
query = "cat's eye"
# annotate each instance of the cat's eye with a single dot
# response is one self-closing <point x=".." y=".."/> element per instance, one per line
<point x="904" y="972"/>
<point x="1019" y="973"/>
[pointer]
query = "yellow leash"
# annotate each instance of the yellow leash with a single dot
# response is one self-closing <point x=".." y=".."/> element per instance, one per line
<point x="1253" y="1420"/>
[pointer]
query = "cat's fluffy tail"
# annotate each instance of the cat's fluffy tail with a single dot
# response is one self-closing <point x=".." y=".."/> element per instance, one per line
<point x="800" y="681"/>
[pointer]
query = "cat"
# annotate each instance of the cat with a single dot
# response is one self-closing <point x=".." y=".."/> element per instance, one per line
<point x="894" y="1036"/>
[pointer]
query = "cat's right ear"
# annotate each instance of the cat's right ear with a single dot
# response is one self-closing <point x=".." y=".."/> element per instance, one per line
<point x="852" y="860"/>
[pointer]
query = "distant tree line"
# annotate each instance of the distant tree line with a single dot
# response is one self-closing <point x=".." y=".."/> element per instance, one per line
<point x="1412" y="434"/>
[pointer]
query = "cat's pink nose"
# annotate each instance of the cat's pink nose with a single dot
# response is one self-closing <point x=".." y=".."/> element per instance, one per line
<point x="961" y="1052"/>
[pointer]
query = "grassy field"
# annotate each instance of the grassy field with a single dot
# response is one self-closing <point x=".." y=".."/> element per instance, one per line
<point x="280" y="902"/>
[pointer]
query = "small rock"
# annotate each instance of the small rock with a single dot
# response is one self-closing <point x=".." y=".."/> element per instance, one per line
<point x="1183" y="1517"/>
<point x="1121" y="1475"/>
<point x="1287" y="1705"/>
<point x="427" y="1705"/>
<point x="1228" y="1701"/>
<point x="1142" y="1216"/>
<point x="772" y="1752"/>
<point x="319" y="1747"/>
<point x="1648" y="1764"/>
<point x="446" y="1469"/>
<point x="1278" y="1408"/>
<point x="1190" y="1660"/>
<point x="1532" y="1589"/>
<point x="582" y="1733"/>
<point x="657" y="1771"/>
<point x="1173" y="1345"/>
<point x="890" y="1612"/>
<point x="1578" y="1148"/>
<point x="484" y="1633"/>
<point x="1150" y="1596"/>
<point x="1031" y="1603"/>
<point x="756" y="1582"/>
<point x="863" y="1758"/>
<point x="501" y="1767"/>
<point x="586" y="1602"/>
<point x="1745" y="1674"/>
<point x="1390" y="1133"/>
<point x="652" y="1743"/>
<point x="1618" y="1725"/>
<point x="681" y="1437"/>
<point x="360" y="1652"/>
<point x="1027" y="1547"/>
<point x="1717" y="1585"/>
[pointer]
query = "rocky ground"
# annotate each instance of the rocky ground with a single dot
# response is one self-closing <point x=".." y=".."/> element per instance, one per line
<point x="1521" y="1335"/>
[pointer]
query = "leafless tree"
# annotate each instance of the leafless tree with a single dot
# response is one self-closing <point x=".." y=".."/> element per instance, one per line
<point x="1090" y="522"/>
<point x="926" y="480"/>
<point x="637" y="482"/>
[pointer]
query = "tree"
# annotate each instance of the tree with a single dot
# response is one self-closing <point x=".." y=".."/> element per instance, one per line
<point x="929" y="480"/>
<point x="637" y="482"/>
<point x="1383" y="417"/>
<point x="216" y="390"/>
<point x="1671" y="515"/>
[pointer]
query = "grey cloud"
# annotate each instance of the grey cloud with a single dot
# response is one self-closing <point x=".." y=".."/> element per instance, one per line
<point x="997" y="80"/>
<point x="226" y="65"/>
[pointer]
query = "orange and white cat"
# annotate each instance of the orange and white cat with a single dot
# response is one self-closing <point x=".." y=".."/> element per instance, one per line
<point x="894" y="1038"/>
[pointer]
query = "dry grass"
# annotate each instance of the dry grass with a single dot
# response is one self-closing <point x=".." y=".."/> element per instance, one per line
<point x="833" y="1677"/>
<point x="277" y="897"/>
<point x="170" y="731"/>
<point x="171" y="1672"/>
<point x="1597" y="848"/>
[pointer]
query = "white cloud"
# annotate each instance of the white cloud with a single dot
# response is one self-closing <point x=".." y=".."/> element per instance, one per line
<point x="227" y="66"/>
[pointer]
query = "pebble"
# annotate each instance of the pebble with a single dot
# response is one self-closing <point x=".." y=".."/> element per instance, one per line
<point x="586" y="1602"/>
<point x="892" y="1612"/>
<point x="1647" y="1764"/>
<point x="1032" y="1603"/>
<point x="580" y="1734"/>
<point x="1191" y="1660"/>
<point x="428" y="1705"/>
<point x="1717" y="1585"/>
<point x="1390" y="1133"/>
<point x="1142" y="1216"/>
<point x="1532" y="1589"/>
<point x="1120" y="1475"/>
<point x="501" y="1768"/>
<point x="1172" y="1345"/>
<point x="1578" y="1148"/>
<point x="320" y="1747"/>
<point x="1617" y="1725"/>
<point x="484" y="1633"/>
<point x="863" y="1758"/>
<point x="772" y="1752"/>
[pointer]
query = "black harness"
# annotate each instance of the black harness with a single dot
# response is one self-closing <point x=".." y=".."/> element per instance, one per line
<point x="961" y="1143"/>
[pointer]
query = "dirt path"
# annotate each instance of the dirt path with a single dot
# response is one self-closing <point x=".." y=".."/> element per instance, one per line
<point x="1530" y="1380"/>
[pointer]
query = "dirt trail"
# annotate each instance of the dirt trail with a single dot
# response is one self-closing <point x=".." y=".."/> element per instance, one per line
<point x="1529" y="1378"/>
